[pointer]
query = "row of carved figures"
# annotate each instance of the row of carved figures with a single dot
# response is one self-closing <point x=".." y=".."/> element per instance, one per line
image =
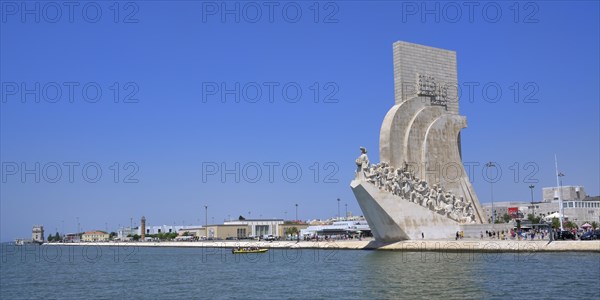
<point x="402" y="182"/>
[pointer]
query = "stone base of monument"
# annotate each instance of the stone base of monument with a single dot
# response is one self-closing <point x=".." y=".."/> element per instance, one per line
<point x="393" y="219"/>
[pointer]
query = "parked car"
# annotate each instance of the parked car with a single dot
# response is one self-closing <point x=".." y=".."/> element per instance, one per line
<point x="591" y="235"/>
<point x="566" y="235"/>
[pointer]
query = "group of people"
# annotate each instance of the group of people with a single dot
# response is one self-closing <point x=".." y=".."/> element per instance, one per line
<point x="402" y="182"/>
<point x="518" y="234"/>
<point x="343" y="237"/>
<point x="246" y="248"/>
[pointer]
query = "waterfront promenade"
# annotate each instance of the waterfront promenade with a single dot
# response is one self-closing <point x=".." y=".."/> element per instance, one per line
<point x="475" y="245"/>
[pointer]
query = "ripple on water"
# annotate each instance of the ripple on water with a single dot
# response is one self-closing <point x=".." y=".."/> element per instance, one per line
<point x="303" y="274"/>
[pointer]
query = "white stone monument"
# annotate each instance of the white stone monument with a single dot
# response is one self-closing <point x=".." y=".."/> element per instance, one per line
<point x="420" y="186"/>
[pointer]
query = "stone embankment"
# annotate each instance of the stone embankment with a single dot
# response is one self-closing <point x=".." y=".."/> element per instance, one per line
<point x="474" y="245"/>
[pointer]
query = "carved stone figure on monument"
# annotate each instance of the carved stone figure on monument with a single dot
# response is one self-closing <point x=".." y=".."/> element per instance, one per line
<point x="362" y="162"/>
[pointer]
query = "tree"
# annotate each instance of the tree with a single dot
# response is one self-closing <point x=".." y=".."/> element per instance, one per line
<point x="555" y="223"/>
<point x="571" y="225"/>
<point x="594" y="225"/>
<point x="505" y="218"/>
<point x="533" y="219"/>
<point x="136" y="237"/>
<point x="291" y="231"/>
<point x="50" y="238"/>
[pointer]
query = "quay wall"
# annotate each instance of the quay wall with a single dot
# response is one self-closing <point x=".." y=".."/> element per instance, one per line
<point x="475" y="245"/>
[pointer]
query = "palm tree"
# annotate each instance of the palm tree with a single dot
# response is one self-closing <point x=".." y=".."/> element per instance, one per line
<point x="291" y="231"/>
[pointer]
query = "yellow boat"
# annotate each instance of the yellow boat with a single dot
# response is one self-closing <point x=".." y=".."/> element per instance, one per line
<point x="242" y="250"/>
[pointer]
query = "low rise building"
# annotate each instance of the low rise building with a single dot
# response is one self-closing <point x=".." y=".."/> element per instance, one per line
<point x="71" y="238"/>
<point x="258" y="227"/>
<point x="168" y="228"/>
<point x="95" y="236"/>
<point x="577" y="206"/>
<point x="288" y="227"/>
<point x="338" y="228"/>
<point x="125" y="233"/>
<point x="568" y="192"/>
<point x="506" y="207"/>
<point x="193" y="231"/>
<point x="228" y="231"/>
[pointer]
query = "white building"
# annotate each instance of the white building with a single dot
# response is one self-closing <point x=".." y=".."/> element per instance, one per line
<point x="502" y="208"/>
<point x="166" y="228"/>
<point x="577" y="206"/>
<point x="566" y="192"/>
<point x="259" y="227"/>
<point x="338" y="228"/>
<point x="578" y="211"/>
<point x="124" y="232"/>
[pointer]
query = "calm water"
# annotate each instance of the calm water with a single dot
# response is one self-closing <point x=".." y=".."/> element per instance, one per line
<point x="85" y="273"/>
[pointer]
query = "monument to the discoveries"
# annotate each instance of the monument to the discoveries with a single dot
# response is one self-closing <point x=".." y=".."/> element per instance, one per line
<point x="420" y="187"/>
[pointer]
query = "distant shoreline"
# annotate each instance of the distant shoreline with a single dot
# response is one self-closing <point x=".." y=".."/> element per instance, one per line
<point x="465" y="245"/>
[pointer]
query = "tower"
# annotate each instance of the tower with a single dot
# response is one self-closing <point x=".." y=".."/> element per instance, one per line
<point x="37" y="233"/>
<point x="143" y="228"/>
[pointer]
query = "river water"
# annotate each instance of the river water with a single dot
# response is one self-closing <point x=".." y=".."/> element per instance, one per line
<point x="211" y="273"/>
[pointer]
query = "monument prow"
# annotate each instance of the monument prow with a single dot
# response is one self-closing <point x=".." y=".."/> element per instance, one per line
<point x="420" y="188"/>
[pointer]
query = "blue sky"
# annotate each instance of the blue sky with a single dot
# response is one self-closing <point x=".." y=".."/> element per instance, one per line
<point x="166" y="58"/>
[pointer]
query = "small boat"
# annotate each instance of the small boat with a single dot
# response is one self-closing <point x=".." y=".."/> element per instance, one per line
<point x="248" y="250"/>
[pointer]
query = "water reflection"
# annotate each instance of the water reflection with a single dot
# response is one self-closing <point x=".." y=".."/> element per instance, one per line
<point x="297" y="274"/>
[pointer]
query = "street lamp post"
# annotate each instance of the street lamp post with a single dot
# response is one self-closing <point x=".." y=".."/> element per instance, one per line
<point x="532" y="206"/>
<point x="559" y="183"/>
<point x="296" y="211"/>
<point x="205" y="215"/>
<point x="489" y="165"/>
<point x="346" y="210"/>
<point x="561" y="199"/>
<point x="338" y="201"/>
